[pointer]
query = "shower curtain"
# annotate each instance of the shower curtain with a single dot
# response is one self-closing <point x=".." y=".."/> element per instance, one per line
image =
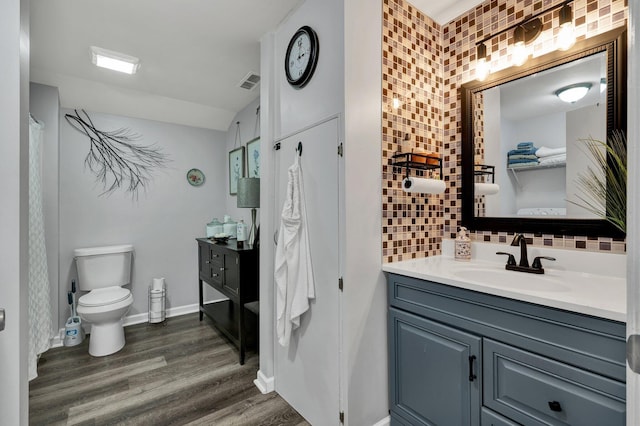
<point x="39" y="312"/>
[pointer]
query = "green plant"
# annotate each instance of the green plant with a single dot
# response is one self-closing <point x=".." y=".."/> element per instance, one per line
<point x="606" y="198"/>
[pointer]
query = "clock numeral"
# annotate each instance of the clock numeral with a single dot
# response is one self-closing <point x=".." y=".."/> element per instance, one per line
<point x="291" y="64"/>
<point x="299" y="73"/>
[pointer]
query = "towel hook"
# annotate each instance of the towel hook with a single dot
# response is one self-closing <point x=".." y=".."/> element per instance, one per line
<point x="299" y="149"/>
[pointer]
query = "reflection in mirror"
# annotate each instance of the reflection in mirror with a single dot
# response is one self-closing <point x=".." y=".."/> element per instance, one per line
<point x="518" y="122"/>
<point x="538" y="178"/>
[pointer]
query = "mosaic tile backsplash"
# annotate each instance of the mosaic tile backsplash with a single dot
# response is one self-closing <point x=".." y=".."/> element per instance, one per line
<point x="423" y="65"/>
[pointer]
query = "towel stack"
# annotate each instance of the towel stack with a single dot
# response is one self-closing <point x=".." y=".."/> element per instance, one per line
<point x="523" y="156"/>
<point x="551" y="156"/>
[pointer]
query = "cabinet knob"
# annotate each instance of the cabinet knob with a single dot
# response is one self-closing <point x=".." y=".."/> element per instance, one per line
<point x="207" y="261"/>
<point x="215" y="255"/>
<point x="222" y="269"/>
<point x="214" y="275"/>
<point x="555" y="406"/>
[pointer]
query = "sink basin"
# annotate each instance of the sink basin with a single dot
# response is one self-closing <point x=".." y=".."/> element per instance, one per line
<point x="501" y="278"/>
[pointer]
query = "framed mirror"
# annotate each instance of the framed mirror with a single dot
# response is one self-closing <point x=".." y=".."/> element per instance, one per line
<point x="515" y="115"/>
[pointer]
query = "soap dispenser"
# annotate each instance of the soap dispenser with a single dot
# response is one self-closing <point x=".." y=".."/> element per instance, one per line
<point x="463" y="245"/>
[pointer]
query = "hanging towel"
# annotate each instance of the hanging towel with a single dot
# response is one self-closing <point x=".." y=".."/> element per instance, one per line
<point x="293" y="268"/>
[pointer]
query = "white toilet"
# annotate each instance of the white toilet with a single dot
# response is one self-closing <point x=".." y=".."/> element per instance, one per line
<point x="102" y="271"/>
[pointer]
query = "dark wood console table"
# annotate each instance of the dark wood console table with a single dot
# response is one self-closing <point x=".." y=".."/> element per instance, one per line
<point x="233" y="272"/>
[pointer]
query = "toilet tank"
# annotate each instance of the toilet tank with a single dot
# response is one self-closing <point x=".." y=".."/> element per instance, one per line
<point x="100" y="267"/>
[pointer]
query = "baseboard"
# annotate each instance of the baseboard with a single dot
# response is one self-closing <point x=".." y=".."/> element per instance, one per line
<point x="57" y="341"/>
<point x="384" y="422"/>
<point x="171" y="312"/>
<point x="264" y="383"/>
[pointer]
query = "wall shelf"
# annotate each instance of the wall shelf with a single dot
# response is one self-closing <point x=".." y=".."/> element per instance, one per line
<point x="514" y="170"/>
<point x="417" y="161"/>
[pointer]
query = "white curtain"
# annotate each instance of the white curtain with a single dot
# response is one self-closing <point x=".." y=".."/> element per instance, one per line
<point x="39" y="291"/>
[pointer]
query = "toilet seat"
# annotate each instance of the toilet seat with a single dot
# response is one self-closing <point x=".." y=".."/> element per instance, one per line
<point x="104" y="296"/>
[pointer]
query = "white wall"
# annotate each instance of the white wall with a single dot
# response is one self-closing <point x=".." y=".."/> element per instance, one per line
<point x="248" y="132"/>
<point x="14" y="103"/>
<point x="44" y="104"/>
<point x="365" y="300"/>
<point x="162" y="224"/>
<point x="346" y="81"/>
<point x="582" y="123"/>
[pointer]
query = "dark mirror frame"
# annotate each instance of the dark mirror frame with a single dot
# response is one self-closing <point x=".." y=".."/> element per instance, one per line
<point x="614" y="43"/>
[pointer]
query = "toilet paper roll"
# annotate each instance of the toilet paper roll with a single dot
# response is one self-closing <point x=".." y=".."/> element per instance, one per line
<point x="423" y="186"/>
<point x="158" y="284"/>
<point x="486" y="188"/>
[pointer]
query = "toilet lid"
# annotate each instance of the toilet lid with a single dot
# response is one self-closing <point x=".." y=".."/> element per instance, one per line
<point x="104" y="296"/>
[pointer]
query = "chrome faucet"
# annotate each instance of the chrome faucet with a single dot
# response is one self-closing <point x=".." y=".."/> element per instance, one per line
<point x="523" y="266"/>
<point x="519" y="239"/>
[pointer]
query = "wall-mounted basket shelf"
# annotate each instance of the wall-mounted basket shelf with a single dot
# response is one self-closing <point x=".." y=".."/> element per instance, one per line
<point x="485" y="170"/>
<point x="416" y="161"/>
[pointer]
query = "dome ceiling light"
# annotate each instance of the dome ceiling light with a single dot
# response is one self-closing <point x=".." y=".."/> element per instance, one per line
<point x="573" y="93"/>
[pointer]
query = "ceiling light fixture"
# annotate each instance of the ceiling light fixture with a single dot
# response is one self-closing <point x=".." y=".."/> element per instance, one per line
<point x="115" y="61"/>
<point x="574" y="92"/>
<point x="482" y="66"/>
<point x="527" y="30"/>
<point x="566" y="36"/>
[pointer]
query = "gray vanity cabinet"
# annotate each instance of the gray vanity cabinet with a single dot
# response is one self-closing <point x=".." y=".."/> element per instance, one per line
<point x="459" y="357"/>
<point x="434" y="371"/>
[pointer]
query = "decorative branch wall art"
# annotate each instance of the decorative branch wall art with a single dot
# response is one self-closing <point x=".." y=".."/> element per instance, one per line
<point x="115" y="158"/>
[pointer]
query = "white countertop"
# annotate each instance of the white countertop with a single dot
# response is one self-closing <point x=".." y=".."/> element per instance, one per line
<point x="584" y="282"/>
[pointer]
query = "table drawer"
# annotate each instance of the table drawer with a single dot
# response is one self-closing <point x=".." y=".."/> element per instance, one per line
<point x="532" y="389"/>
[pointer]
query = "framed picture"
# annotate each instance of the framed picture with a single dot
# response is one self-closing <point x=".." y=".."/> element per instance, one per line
<point x="236" y="169"/>
<point x="253" y="158"/>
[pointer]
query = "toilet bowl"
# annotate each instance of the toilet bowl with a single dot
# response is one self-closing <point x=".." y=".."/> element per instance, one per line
<point x="105" y="309"/>
<point x="102" y="271"/>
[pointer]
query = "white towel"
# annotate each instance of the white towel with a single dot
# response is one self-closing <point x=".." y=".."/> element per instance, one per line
<point x="553" y="159"/>
<point x="293" y="269"/>
<point x="547" y="152"/>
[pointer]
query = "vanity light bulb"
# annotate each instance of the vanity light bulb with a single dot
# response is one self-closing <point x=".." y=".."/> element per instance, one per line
<point x="520" y="53"/>
<point x="482" y="69"/>
<point x="566" y="36"/>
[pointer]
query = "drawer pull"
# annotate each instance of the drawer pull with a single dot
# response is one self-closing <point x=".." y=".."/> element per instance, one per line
<point x="472" y="376"/>
<point x="555" y="406"/>
<point x="214" y="275"/>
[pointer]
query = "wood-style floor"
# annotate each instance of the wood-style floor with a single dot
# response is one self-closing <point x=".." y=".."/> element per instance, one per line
<point x="180" y="373"/>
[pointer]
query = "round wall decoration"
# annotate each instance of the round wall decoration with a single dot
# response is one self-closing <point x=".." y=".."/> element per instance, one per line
<point x="302" y="57"/>
<point x="195" y="177"/>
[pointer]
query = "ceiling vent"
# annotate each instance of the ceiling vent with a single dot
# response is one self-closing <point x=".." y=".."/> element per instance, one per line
<point x="250" y="81"/>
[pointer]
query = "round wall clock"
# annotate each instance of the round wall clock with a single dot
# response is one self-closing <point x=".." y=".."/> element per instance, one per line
<point x="302" y="57"/>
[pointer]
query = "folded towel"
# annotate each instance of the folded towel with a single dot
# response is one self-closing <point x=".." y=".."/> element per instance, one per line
<point x="554" y="159"/>
<point x="523" y="161"/>
<point x="525" y="145"/>
<point x="546" y="152"/>
<point x="526" y="151"/>
<point x="523" y="165"/>
<point x="522" y="157"/>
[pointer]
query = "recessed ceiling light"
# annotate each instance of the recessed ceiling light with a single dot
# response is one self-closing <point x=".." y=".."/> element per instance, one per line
<point x="574" y="92"/>
<point x="115" y="61"/>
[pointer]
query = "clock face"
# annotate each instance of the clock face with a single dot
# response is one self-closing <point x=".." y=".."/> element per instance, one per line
<point x="301" y="57"/>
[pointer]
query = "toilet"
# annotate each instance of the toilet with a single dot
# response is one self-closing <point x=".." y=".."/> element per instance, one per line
<point x="102" y="271"/>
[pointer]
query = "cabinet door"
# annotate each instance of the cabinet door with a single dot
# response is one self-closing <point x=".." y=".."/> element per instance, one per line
<point x="231" y="273"/>
<point x="434" y="372"/>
